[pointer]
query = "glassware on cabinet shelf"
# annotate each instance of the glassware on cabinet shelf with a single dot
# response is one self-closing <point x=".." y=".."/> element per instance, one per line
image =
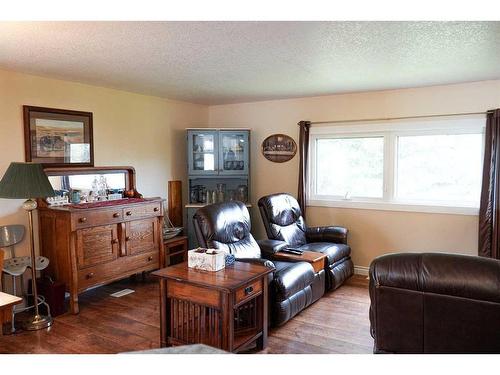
<point x="202" y="196"/>
<point x="193" y="198"/>
<point x="233" y="151"/>
<point x="242" y="194"/>
<point x="203" y="152"/>
<point x="221" y="193"/>
<point x="198" y="194"/>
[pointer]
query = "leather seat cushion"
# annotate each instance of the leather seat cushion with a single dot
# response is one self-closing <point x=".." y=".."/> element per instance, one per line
<point x="290" y="278"/>
<point x="333" y="251"/>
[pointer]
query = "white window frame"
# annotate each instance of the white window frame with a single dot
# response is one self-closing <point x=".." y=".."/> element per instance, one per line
<point x="390" y="130"/>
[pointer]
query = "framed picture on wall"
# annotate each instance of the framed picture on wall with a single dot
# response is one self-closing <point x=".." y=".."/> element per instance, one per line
<point x="279" y="148"/>
<point x="58" y="137"/>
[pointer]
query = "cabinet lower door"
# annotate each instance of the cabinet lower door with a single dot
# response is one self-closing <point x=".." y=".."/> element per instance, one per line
<point x="141" y="236"/>
<point x="97" y="245"/>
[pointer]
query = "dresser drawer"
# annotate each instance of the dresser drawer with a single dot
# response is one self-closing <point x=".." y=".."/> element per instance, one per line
<point x="248" y="291"/>
<point x="143" y="210"/>
<point x="119" y="268"/>
<point x="93" y="218"/>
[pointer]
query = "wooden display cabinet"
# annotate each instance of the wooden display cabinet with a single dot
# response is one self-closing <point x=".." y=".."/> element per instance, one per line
<point x="216" y="156"/>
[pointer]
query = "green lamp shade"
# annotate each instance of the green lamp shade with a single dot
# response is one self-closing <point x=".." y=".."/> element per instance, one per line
<point x="24" y="181"/>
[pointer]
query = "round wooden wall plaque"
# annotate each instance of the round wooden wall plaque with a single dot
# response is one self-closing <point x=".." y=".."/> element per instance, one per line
<point x="279" y="148"/>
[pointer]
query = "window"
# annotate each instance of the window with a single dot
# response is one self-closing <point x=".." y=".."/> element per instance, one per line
<point x="350" y="167"/>
<point x="440" y="168"/>
<point x="432" y="165"/>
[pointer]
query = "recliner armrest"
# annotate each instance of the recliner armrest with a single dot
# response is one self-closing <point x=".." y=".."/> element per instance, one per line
<point x="263" y="262"/>
<point x="327" y="234"/>
<point x="270" y="247"/>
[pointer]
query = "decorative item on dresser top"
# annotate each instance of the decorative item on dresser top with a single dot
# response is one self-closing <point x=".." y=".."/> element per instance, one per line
<point x="95" y="243"/>
<point x="28" y="181"/>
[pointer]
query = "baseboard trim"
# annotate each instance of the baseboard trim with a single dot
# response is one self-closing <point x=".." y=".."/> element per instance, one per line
<point x="361" y="270"/>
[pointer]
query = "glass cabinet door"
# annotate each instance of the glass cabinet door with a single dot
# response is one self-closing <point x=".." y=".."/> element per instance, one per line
<point x="202" y="152"/>
<point x="233" y="152"/>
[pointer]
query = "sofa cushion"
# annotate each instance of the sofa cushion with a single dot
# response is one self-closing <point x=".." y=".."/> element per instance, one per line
<point x="333" y="251"/>
<point x="290" y="278"/>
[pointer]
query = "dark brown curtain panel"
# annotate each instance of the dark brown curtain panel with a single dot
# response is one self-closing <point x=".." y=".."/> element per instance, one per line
<point x="303" y="157"/>
<point x="489" y="230"/>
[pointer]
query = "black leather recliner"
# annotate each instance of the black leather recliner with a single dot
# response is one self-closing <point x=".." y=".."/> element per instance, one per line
<point x="292" y="286"/>
<point x="284" y="222"/>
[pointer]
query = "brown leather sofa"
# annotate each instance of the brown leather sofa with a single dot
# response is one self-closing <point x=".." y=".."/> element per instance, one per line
<point x="435" y="303"/>
<point x="293" y="286"/>
<point x="283" y="221"/>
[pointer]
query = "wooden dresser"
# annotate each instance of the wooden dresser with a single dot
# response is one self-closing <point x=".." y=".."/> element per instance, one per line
<point x="94" y="246"/>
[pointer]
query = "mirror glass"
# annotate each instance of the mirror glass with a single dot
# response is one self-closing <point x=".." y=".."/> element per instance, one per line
<point x="89" y="182"/>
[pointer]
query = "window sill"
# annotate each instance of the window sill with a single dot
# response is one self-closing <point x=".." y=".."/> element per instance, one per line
<point x="386" y="206"/>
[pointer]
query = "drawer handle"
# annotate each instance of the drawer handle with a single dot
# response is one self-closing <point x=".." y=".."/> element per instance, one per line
<point x="90" y="275"/>
<point x="128" y="213"/>
<point x="82" y="220"/>
<point x="150" y="259"/>
<point x="127" y="238"/>
<point x="114" y="240"/>
<point x="156" y="209"/>
<point x="248" y="290"/>
<point x="116" y="214"/>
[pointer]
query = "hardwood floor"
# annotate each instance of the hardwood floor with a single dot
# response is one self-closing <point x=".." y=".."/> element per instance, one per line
<point x="337" y="323"/>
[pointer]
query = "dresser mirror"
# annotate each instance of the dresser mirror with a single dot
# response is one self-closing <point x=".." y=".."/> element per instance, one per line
<point x="114" y="181"/>
<point x="80" y="185"/>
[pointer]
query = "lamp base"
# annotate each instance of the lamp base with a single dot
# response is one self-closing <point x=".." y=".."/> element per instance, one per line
<point x="37" y="322"/>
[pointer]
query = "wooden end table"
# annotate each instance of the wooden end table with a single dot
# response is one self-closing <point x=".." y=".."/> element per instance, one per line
<point x="173" y="247"/>
<point x="7" y="302"/>
<point x="316" y="259"/>
<point x="225" y="309"/>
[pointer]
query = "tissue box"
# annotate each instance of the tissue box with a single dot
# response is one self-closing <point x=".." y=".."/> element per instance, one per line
<point x="206" y="259"/>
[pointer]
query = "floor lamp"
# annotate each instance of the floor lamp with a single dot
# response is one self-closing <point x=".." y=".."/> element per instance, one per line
<point x="28" y="181"/>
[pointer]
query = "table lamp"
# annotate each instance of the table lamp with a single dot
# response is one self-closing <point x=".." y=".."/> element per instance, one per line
<point x="28" y="181"/>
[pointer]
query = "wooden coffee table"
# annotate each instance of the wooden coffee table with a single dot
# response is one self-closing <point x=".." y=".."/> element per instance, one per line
<point x="225" y="309"/>
<point x="316" y="259"/>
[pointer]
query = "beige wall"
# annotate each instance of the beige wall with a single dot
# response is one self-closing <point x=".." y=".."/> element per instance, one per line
<point x="372" y="233"/>
<point x="129" y="129"/>
<point x="148" y="133"/>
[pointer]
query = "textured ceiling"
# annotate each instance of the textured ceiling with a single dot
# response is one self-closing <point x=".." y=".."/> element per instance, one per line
<point x="223" y="62"/>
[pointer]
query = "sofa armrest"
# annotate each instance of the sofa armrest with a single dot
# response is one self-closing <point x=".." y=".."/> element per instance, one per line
<point x="263" y="262"/>
<point x="270" y="247"/>
<point x="327" y="234"/>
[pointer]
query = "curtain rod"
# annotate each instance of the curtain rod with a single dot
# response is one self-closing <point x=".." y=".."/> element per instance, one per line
<point x="399" y="118"/>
